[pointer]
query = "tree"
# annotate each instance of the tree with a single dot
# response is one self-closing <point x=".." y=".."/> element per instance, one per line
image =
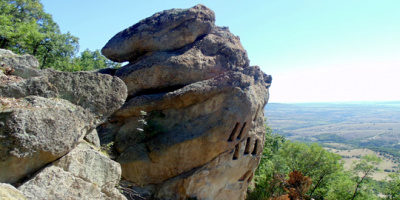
<point x="269" y="175"/>
<point x="342" y="186"/>
<point x="312" y="161"/>
<point x="18" y="22"/>
<point x="363" y="171"/>
<point x="297" y="185"/>
<point x="280" y="157"/>
<point x="393" y="186"/>
<point x="26" y="28"/>
<point x="92" y="60"/>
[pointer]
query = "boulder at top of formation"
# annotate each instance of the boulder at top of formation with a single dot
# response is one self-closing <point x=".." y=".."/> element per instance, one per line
<point x="214" y="54"/>
<point x="193" y="124"/>
<point x="167" y="30"/>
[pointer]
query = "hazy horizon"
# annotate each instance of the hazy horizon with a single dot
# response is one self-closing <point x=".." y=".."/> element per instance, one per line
<point x="316" y="51"/>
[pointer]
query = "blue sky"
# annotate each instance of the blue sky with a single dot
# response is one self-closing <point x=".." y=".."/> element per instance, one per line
<point x="315" y="50"/>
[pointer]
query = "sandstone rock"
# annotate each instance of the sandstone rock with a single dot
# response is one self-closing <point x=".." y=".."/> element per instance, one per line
<point x="93" y="138"/>
<point x="24" y="66"/>
<point x="193" y="124"/>
<point x="35" y="131"/>
<point x="92" y="166"/>
<point x="167" y="30"/>
<point x="9" y="192"/>
<point x="211" y="56"/>
<point x="83" y="173"/>
<point x="55" y="183"/>
<point x="101" y="94"/>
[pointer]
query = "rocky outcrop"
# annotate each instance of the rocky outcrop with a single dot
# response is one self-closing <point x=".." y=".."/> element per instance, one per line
<point x="37" y="131"/>
<point x="83" y="173"/>
<point x="216" y="53"/>
<point x="193" y="125"/>
<point x="47" y="121"/>
<point x="24" y="66"/>
<point x="101" y="94"/>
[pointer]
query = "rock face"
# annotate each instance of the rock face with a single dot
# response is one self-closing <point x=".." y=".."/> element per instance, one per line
<point x="155" y="33"/>
<point x="47" y="120"/>
<point x="83" y="173"/>
<point x="9" y="192"/>
<point x="99" y="93"/>
<point x="37" y="132"/>
<point x="24" y="66"/>
<point x="193" y="124"/>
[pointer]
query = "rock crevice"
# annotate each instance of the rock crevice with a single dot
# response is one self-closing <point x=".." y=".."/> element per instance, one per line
<point x="183" y="119"/>
<point x="192" y="125"/>
<point x="46" y="117"/>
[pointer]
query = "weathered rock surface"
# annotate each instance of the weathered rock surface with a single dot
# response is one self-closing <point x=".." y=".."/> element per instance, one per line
<point x="9" y="192"/>
<point x="155" y="33"/>
<point x="36" y="132"/>
<point x="43" y="118"/>
<point x="24" y="66"/>
<point x="193" y="125"/>
<point x="93" y="138"/>
<point x="101" y="94"/>
<point x="84" y="173"/>
<point x="213" y="55"/>
<point x="189" y="127"/>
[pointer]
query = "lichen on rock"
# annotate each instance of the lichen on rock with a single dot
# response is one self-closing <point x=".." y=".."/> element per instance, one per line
<point x="45" y="118"/>
<point x="204" y="130"/>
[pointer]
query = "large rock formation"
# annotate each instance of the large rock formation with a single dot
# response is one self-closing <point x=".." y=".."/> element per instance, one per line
<point x="193" y="124"/>
<point x="47" y="122"/>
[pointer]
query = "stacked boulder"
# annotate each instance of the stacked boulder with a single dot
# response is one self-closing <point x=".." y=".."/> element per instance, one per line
<point x="193" y="122"/>
<point x="49" y="147"/>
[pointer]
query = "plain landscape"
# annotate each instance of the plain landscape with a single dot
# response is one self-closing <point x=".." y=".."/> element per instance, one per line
<point x="350" y="129"/>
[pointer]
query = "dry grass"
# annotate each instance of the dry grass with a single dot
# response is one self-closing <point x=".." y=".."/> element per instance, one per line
<point x="351" y="156"/>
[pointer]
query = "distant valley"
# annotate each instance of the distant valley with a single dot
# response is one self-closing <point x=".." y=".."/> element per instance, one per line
<point x="348" y="129"/>
<point x="372" y="125"/>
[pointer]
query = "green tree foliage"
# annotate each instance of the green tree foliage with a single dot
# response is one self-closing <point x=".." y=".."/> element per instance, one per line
<point x="392" y="189"/>
<point x="18" y="22"/>
<point x="281" y="157"/>
<point x="356" y="183"/>
<point x="92" y="60"/>
<point x="363" y="171"/>
<point x="323" y="171"/>
<point x="269" y="174"/>
<point x="313" y="161"/>
<point x="26" y="28"/>
<point x="341" y="186"/>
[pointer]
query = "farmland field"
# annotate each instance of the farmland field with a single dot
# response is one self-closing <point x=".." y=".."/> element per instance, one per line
<point x="361" y="124"/>
<point x="348" y="129"/>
